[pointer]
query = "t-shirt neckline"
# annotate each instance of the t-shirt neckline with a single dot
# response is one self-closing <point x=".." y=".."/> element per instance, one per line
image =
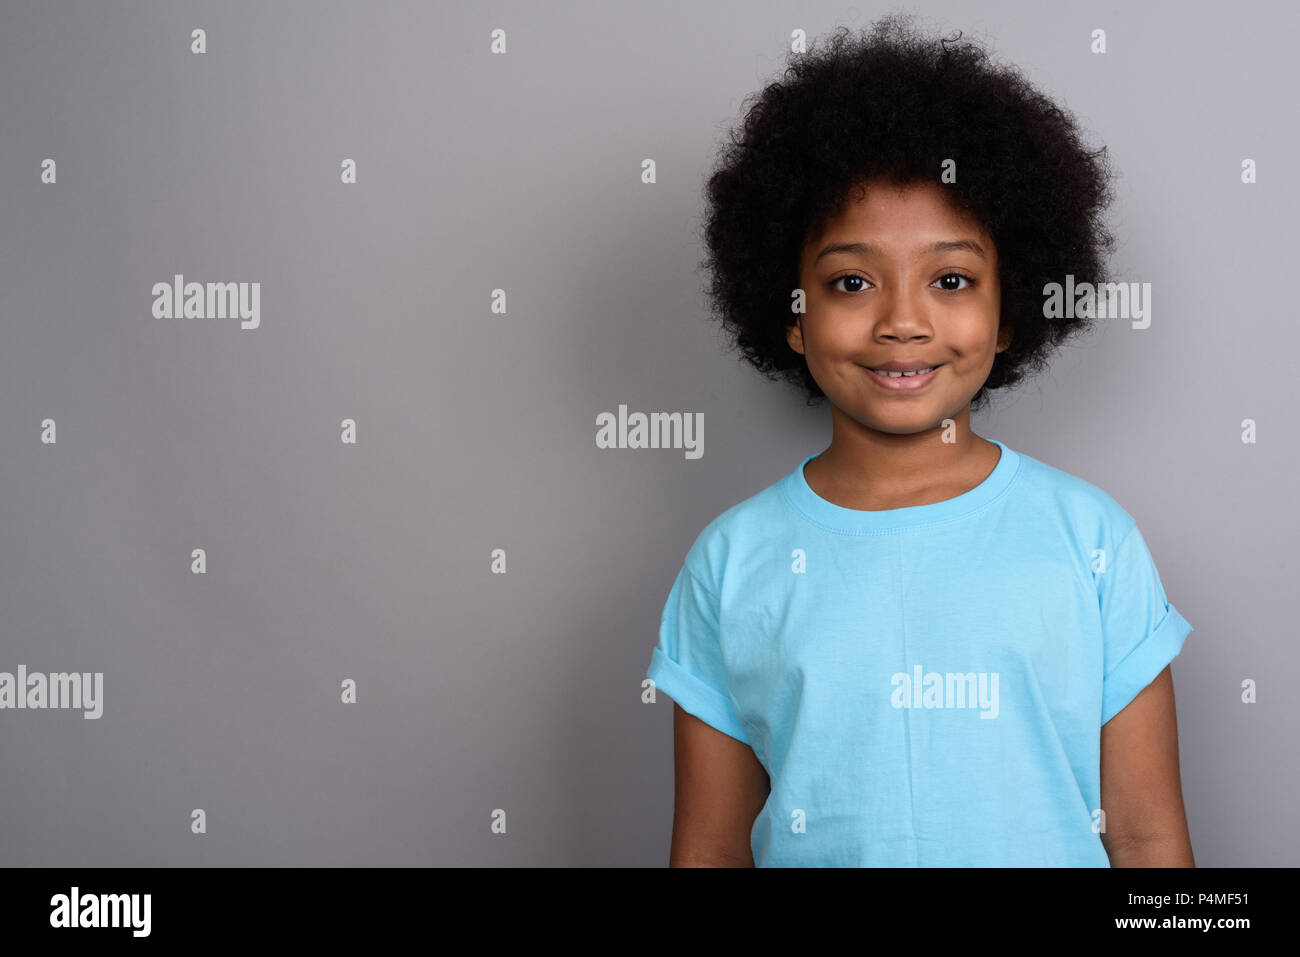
<point x="859" y="521"/>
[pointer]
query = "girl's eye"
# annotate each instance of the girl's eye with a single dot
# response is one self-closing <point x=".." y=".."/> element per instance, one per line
<point x="955" y="275"/>
<point x="849" y="278"/>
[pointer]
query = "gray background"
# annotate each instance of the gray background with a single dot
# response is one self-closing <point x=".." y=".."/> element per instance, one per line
<point x="476" y="431"/>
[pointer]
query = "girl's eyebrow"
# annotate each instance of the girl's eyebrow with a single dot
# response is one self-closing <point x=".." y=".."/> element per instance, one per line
<point x="871" y="249"/>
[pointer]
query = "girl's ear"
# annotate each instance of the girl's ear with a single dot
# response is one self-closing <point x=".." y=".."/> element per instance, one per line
<point x="794" y="336"/>
<point x="1004" y="336"/>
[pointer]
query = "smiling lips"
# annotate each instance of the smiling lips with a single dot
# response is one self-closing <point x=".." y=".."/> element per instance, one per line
<point x="899" y="381"/>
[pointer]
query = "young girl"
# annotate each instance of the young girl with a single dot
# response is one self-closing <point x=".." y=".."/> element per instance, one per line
<point x="920" y="647"/>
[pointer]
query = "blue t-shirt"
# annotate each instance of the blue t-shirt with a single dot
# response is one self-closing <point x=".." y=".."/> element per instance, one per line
<point x="925" y="686"/>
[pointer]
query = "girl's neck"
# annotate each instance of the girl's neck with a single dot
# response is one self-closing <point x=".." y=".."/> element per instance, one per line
<point x="900" y="471"/>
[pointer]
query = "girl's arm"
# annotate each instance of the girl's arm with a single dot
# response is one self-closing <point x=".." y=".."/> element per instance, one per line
<point x="719" y="788"/>
<point x="1145" y="824"/>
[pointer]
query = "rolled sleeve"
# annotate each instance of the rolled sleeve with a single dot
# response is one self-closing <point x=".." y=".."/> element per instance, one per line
<point x="687" y="662"/>
<point x="1142" y="631"/>
<point x="1143" y="664"/>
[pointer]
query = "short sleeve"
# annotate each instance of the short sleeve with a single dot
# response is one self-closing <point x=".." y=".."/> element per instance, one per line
<point x="1142" y="632"/>
<point x="687" y="661"/>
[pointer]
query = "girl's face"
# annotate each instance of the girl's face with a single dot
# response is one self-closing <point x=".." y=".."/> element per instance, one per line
<point x="900" y="276"/>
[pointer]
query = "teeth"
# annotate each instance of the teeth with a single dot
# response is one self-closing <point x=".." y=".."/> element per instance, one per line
<point x="896" y="375"/>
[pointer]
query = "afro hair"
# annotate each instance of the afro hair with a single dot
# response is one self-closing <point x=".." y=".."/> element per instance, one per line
<point x="889" y="104"/>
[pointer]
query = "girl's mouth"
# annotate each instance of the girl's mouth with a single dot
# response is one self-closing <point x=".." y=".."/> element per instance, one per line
<point x="904" y="382"/>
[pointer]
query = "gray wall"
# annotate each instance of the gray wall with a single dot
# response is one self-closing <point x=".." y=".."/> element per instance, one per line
<point x="476" y="431"/>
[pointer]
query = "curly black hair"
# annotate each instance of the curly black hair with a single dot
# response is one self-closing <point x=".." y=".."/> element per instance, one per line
<point x="893" y="105"/>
